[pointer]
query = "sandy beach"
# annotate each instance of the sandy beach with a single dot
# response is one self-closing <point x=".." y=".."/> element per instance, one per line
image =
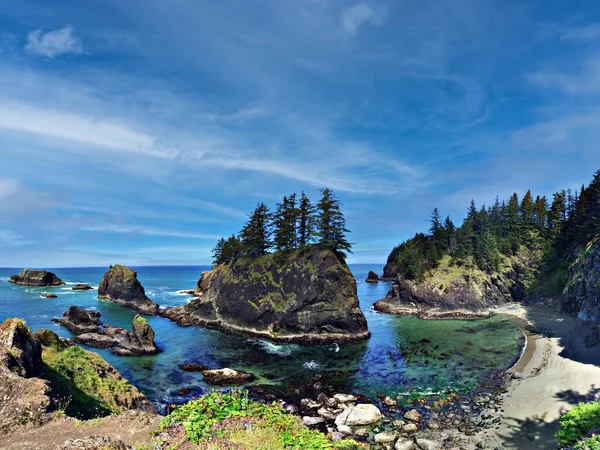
<point x="555" y="372"/>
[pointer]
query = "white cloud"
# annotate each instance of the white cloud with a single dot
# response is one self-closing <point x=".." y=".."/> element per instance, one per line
<point x="148" y="231"/>
<point x="356" y="16"/>
<point x="53" y="43"/>
<point x="585" y="81"/>
<point x="8" y="187"/>
<point x="77" y="127"/>
<point x="586" y="33"/>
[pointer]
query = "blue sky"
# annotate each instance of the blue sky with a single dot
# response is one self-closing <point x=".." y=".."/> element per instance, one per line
<point x="139" y="132"/>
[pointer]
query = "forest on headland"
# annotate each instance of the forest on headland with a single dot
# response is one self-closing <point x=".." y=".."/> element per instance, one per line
<point x="566" y="220"/>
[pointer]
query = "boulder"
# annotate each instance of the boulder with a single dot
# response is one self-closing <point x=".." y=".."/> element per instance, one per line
<point x="307" y="296"/>
<point x="426" y="444"/>
<point x="413" y="416"/>
<point x="31" y="277"/>
<point x="404" y="444"/>
<point x="372" y="277"/>
<point x="345" y="398"/>
<point x="82" y="287"/>
<point x="120" y="285"/>
<point x="50" y="296"/>
<point x="359" y="415"/>
<point x="81" y="321"/>
<point x="22" y="353"/>
<point x="139" y="341"/>
<point x="227" y="376"/>
<point x="386" y="437"/>
<point x="308" y="421"/>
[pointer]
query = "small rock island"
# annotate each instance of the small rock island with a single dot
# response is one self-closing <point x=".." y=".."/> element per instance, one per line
<point x="120" y="285"/>
<point x="303" y="292"/>
<point x="32" y="277"/>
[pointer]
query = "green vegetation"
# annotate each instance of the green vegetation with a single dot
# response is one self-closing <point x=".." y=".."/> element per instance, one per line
<point x="85" y="385"/>
<point x="224" y="417"/>
<point x="293" y="225"/>
<point x="578" y="424"/>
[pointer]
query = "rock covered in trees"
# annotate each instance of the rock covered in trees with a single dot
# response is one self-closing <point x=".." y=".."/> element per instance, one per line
<point x="91" y="331"/>
<point x="120" y="285"/>
<point x="307" y="296"/>
<point x="372" y="277"/>
<point x="31" y="277"/>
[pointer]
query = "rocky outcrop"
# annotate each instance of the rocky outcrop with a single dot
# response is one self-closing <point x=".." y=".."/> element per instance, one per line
<point x="31" y="277"/>
<point x="120" y="285"/>
<point x="82" y="287"/>
<point x="23" y="354"/>
<point x="91" y="331"/>
<point x="581" y="295"/>
<point x="227" y="377"/>
<point x="372" y="277"/>
<point x="308" y="296"/>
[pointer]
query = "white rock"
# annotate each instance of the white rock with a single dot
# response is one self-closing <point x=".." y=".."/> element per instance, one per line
<point x="426" y="444"/>
<point x="345" y="398"/>
<point x="413" y="415"/>
<point x="410" y="428"/>
<point x="404" y="444"/>
<point x="312" y="421"/>
<point x="386" y="437"/>
<point x="336" y="436"/>
<point x="341" y="418"/>
<point x="363" y="414"/>
<point x="344" y="429"/>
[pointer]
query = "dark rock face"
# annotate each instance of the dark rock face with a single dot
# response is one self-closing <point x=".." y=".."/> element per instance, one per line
<point x="81" y="320"/>
<point x="91" y="331"/>
<point x="372" y="277"/>
<point x="24" y="355"/>
<point x="120" y="285"/>
<point x="581" y="296"/>
<point x="50" y="296"/>
<point x="227" y="377"/>
<point x="82" y="287"/>
<point x="308" y="296"/>
<point x="30" y="277"/>
<point x="465" y="296"/>
<point x="390" y="271"/>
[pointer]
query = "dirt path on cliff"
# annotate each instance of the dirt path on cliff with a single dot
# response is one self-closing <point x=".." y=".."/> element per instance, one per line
<point x="133" y="428"/>
<point x="558" y="372"/>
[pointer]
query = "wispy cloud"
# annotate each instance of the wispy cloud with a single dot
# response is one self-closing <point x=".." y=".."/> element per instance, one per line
<point x="8" y="187"/>
<point x="356" y="16"/>
<point x="53" y="43"/>
<point x="148" y="231"/>
<point x="584" y="33"/>
<point x="586" y="80"/>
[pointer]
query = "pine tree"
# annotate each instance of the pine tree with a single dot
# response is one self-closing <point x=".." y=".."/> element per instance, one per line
<point x="331" y="225"/>
<point x="450" y="233"/>
<point x="527" y="208"/>
<point x="540" y="211"/>
<point x="558" y="210"/>
<point x="218" y="252"/>
<point x="306" y="221"/>
<point x="256" y="234"/>
<point x="284" y="224"/>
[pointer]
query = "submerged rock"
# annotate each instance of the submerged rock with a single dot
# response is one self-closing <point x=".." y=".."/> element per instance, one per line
<point x="227" y="376"/>
<point x="31" y="277"/>
<point x="82" y="287"/>
<point x="308" y="296"/>
<point x="120" y="285"/>
<point x="192" y="367"/>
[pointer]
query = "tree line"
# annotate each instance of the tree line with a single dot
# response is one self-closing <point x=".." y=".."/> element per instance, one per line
<point x="488" y="232"/>
<point x="295" y="223"/>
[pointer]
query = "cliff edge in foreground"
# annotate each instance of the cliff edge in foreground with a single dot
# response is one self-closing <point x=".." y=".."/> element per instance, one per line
<point x="307" y="296"/>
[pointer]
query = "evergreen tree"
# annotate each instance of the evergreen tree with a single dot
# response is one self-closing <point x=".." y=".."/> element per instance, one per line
<point x="331" y="225"/>
<point x="540" y="211"/>
<point x="450" y="233"/>
<point x="256" y="234"/>
<point x="527" y="208"/>
<point x="218" y="252"/>
<point x="284" y="224"/>
<point x="306" y="221"/>
<point x="558" y="211"/>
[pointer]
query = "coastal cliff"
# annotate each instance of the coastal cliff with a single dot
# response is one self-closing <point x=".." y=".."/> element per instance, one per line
<point x="306" y="296"/>
<point x="120" y="285"/>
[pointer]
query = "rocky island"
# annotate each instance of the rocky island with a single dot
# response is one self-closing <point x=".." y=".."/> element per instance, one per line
<point x="31" y="277"/>
<point x="91" y="331"/>
<point x="308" y="296"/>
<point x="120" y="285"/>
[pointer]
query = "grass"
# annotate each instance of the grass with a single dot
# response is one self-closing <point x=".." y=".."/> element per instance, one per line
<point x="94" y="388"/>
<point x="233" y="421"/>
<point x="578" y="423"/>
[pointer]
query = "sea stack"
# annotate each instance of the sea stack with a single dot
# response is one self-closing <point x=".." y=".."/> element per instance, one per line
<point x="120" y="285"/>
<point x="32" y="277"/>
<point x="307" y="296"/>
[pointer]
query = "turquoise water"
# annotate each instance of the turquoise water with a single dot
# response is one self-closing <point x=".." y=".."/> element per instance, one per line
<point x="404" y="353"/>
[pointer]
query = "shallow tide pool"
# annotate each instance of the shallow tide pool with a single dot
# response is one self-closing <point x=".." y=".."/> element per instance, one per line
<point x="404" y="353"/>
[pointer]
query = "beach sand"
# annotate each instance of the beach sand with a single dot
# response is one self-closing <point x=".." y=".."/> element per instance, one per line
<point x="557" y="371"/>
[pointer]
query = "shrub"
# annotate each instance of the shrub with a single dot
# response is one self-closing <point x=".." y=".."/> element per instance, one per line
<point x="578" y="423"/>
<point x="592" y="443"/>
